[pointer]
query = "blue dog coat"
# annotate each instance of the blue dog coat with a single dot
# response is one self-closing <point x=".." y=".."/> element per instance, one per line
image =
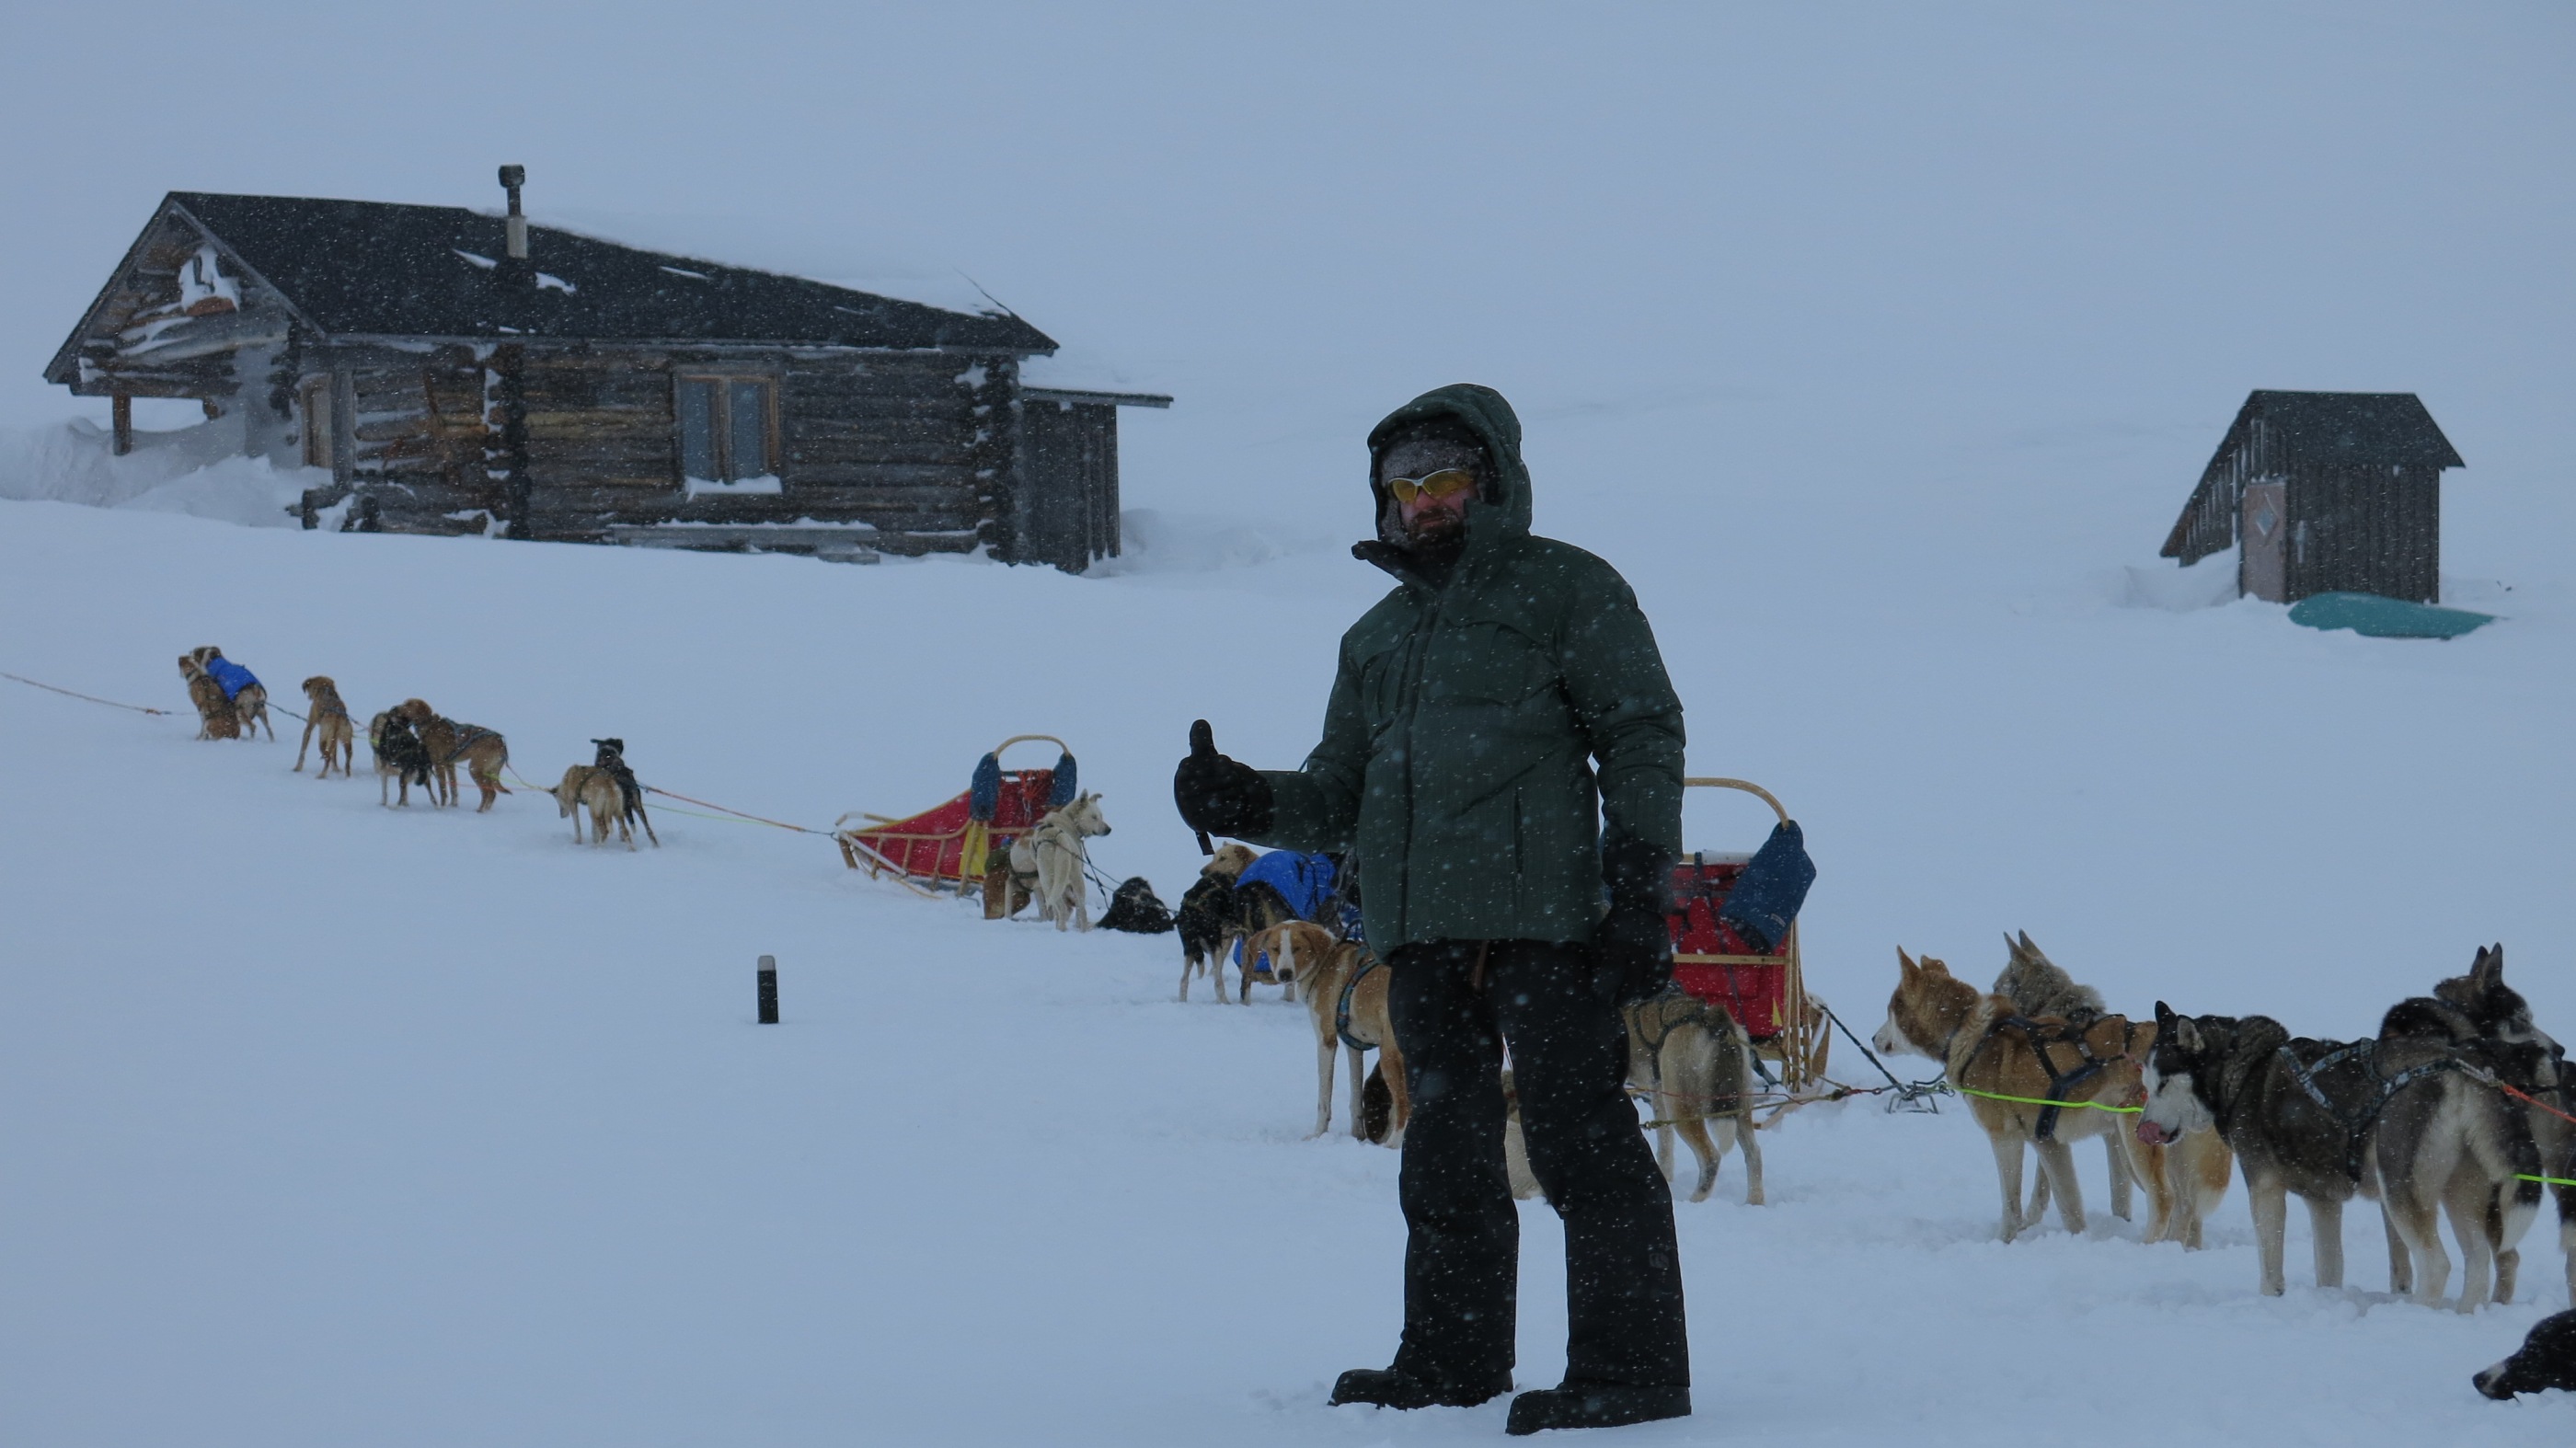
<point x="232" y="676"/>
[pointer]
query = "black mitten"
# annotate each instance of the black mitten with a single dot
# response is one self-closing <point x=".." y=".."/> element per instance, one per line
<point x="1220" y="796"/>
<point x="1632" y="946"/>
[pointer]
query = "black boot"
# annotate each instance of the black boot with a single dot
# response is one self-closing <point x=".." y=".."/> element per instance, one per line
<point x="1387" y="1388"/>
<point x="1594" y="1405"/>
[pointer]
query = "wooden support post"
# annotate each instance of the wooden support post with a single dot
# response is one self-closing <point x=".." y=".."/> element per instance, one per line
<point x="121" y="411"/>
<point x="769" y="990"/>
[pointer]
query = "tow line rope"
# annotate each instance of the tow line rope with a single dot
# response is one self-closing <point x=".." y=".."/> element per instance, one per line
<point x="738" y="814"/>
<point x="76" y="694"/>
<point x="2549" y="1181"/>
<point x="2040" y="1101"/>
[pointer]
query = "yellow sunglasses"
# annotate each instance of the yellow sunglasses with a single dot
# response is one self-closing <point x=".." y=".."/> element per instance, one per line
<point x="1446" y="483"/>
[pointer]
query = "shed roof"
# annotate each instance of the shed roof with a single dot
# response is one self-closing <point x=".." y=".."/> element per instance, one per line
<point x="2355" y="427"/>
<point x="2309" y="429"/>
<point x="374" y="268"/>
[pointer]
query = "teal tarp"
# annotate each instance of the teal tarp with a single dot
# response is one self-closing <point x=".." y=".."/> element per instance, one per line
<point x="2385" y="618"/>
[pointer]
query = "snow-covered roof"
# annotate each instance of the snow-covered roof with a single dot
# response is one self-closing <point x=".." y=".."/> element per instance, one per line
<point x="373" y="268"/>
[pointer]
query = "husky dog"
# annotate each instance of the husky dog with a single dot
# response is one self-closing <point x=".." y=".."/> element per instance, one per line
<point x="2446" y="1140"/>
<point x="1206" y="917"/>
<point x="2298" y="1114"/>
<point x="330" y="718"/>
<point x="400" y="759"/>
<point x="1053" y="851"/>
<point x="1695" y="1065"/>
<point x="215" y="716"/>
<point x="612" y="757"/>
<point x="2530" y="1062"/>
<point x="483" y="751"/>
<point x="248" y="695"/>
<point x="2196" y="1167"/>
<point x="2038" y="986"/>
<point x="1345" y="994"/>
<point x="587" y="785"/>
<point x="1992" y="1054"/>
<point x="2547" y="1359"/>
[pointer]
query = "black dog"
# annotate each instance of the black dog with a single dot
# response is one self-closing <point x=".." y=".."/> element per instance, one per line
<point x="2547" y="1360"/>
<point x="400" y="757"/>
<point x="1136" y="909"/>
<point x="1206" y="911"/>
<point x="612" y="757"/>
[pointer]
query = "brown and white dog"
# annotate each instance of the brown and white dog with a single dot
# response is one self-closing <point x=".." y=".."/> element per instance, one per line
<point x="483" y="750"/>
<point x="215" y="716"/>
<point x="2197" y="1163"/>
<point x="1992" y="1053"/>
<point x="250" y="706"/>
<point x="1694" y="1065"/>
<point x="329" y="717"/>
<point x="1345" y="993"/>
<point x="587" y="785"/>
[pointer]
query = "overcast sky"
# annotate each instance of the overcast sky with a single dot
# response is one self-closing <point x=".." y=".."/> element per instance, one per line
<point x="1829" y="232"/>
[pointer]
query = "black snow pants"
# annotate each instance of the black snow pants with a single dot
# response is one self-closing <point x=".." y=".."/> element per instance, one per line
<point x="1454" y="1004"/>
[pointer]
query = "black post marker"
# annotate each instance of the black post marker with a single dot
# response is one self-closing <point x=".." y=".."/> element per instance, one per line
<point x="769" y="990"/>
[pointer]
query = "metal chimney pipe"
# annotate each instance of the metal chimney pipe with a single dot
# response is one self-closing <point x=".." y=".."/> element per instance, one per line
<point x="512" y="178"/>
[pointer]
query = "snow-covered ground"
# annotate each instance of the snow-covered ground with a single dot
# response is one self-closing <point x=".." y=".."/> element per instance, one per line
<point x="325" y="1123"/>
<point x="1878" y="345"/>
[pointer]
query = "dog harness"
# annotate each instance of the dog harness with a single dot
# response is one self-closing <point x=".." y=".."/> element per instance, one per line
<point x="2061" y="1084"/>
<point x="1342" y="1007"/>
<point x="2356" y="1124"/>
<point x="467" y="736"/>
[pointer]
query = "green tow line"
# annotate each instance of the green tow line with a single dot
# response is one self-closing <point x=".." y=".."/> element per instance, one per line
<point x="2547" y="1181"/>
<point x="2038" y="1101"/>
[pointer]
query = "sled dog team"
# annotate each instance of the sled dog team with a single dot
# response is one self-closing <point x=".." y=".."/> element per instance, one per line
<point x="2459" y="1106"/>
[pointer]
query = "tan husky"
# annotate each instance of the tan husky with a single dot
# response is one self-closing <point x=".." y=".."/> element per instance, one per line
<point x="588" y="785"/>
<point x="1345" y="992"/>
<point x="2197" y="1164"/>
<point x="1694" y="1065"/>
<point x="2009" y="1065"/>
<point x="330" y="718"/>
<point x="483" y="750"/>
<point x="215" y="716"/>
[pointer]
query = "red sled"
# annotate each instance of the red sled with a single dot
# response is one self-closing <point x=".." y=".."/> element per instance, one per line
<point x="946" y="844"/>
<point x="1765" y="991"/>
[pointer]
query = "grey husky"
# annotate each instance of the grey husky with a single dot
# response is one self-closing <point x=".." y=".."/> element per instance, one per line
<point x="2448" y="1141"/>
<point x="2038" y="986"/>
<point x="2523" y="1057"/>
<point x="2195" y="1168"/>
<point x="2395" y="1118"/>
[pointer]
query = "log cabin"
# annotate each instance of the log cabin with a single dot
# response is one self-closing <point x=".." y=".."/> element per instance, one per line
<point x="2323" y="492"/>
<point x="455" y="371"/>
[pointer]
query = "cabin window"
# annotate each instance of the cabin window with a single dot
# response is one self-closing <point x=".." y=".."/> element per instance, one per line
<point x="316" y="394"/>
<point x="728" y="427"/>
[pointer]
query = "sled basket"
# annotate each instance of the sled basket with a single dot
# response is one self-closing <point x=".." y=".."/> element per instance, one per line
<point x="947" y="844"/>
<point x="1765" y="991"/>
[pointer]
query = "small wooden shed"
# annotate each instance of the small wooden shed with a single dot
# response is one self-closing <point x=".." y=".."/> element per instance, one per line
<point x="456" y="371"/>
<point x="2324" y="492"/>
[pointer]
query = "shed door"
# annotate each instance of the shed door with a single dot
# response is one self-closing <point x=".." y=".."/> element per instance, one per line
<point x="2264" y="529"/>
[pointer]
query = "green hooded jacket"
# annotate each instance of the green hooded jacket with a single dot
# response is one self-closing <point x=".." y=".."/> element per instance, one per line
<point x="1481" y="733"/>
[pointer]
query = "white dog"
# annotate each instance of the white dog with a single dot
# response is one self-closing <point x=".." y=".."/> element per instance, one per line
<point x="1052" y="850"/>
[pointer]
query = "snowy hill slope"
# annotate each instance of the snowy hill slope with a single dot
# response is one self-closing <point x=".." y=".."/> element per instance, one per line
<point x="326" y="1123"/>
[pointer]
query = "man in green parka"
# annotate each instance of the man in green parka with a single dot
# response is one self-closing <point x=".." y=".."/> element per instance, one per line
<point x="1502" y="751"/>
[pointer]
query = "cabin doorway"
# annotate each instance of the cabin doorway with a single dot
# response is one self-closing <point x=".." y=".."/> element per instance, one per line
<point x="2264" y="531"/>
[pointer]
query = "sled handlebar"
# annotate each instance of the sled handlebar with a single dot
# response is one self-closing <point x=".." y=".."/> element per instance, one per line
<point x="1746" y="785"/>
